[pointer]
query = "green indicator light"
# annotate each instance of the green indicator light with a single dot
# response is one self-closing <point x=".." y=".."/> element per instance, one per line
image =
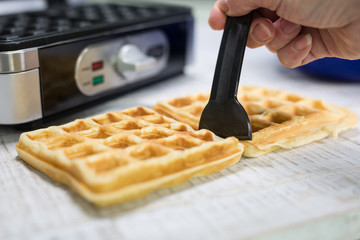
<point x="98" y="79"/>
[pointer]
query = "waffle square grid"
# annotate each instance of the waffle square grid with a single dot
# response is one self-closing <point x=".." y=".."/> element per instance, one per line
<point x="278" y="119"/>
<point x="120" y="156"/>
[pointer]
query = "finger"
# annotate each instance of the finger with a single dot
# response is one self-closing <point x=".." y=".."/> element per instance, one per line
<point x="320" y="37"/>
<point x="309" y="58"/>
<point x="262" y="31"/>
<point x="221" y="8"/>
<point x="285" y="32"/>
<point x="239" y="8"/>
<point x="217" y="17"/>
<point x="293" y="54"/>
<point x="266" y="13"/>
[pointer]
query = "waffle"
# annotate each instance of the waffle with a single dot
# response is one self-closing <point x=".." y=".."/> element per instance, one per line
<point x="278" y="119"/>
<point x="121" y="156"/>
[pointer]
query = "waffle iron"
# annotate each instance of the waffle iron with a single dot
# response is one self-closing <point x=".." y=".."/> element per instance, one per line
<point x="66" y="57"/>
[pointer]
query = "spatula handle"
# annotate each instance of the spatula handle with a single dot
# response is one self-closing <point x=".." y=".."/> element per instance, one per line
<point x="230" y="58"/>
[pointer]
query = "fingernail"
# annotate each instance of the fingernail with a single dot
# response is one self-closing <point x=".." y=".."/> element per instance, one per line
<point x="288" y="27"/>
<point x="303" y="42"/>
<point x="261" y="33"/>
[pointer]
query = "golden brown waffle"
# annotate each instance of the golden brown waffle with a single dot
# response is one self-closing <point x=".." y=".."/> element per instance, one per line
<point x="278" y="119"/>
<point x="120" y="156"/>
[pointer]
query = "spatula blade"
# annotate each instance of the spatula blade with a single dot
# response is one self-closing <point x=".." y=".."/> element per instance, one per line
<point x="226" y="119"/>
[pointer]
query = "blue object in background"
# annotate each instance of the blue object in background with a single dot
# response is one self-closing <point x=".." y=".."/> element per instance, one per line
<point x="334" y="69"/>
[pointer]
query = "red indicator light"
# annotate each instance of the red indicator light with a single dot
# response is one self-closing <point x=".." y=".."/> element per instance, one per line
<point x="97" y="65"/>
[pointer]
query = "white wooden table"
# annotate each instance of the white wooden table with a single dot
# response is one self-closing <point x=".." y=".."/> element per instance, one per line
<point x="311" y="192"/>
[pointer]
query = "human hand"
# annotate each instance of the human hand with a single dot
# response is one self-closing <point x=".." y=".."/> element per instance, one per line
<point x="299" y="31"/>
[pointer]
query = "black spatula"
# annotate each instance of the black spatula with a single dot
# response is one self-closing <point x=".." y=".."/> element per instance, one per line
<point x="223" y="114"/>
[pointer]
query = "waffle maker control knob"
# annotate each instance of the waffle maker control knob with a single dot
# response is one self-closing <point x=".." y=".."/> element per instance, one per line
<point x="131" y="59"/>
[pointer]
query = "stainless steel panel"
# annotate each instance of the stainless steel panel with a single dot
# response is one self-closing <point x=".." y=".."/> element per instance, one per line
<point x="20" y="97"/>
<point x="19" y="61"/>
